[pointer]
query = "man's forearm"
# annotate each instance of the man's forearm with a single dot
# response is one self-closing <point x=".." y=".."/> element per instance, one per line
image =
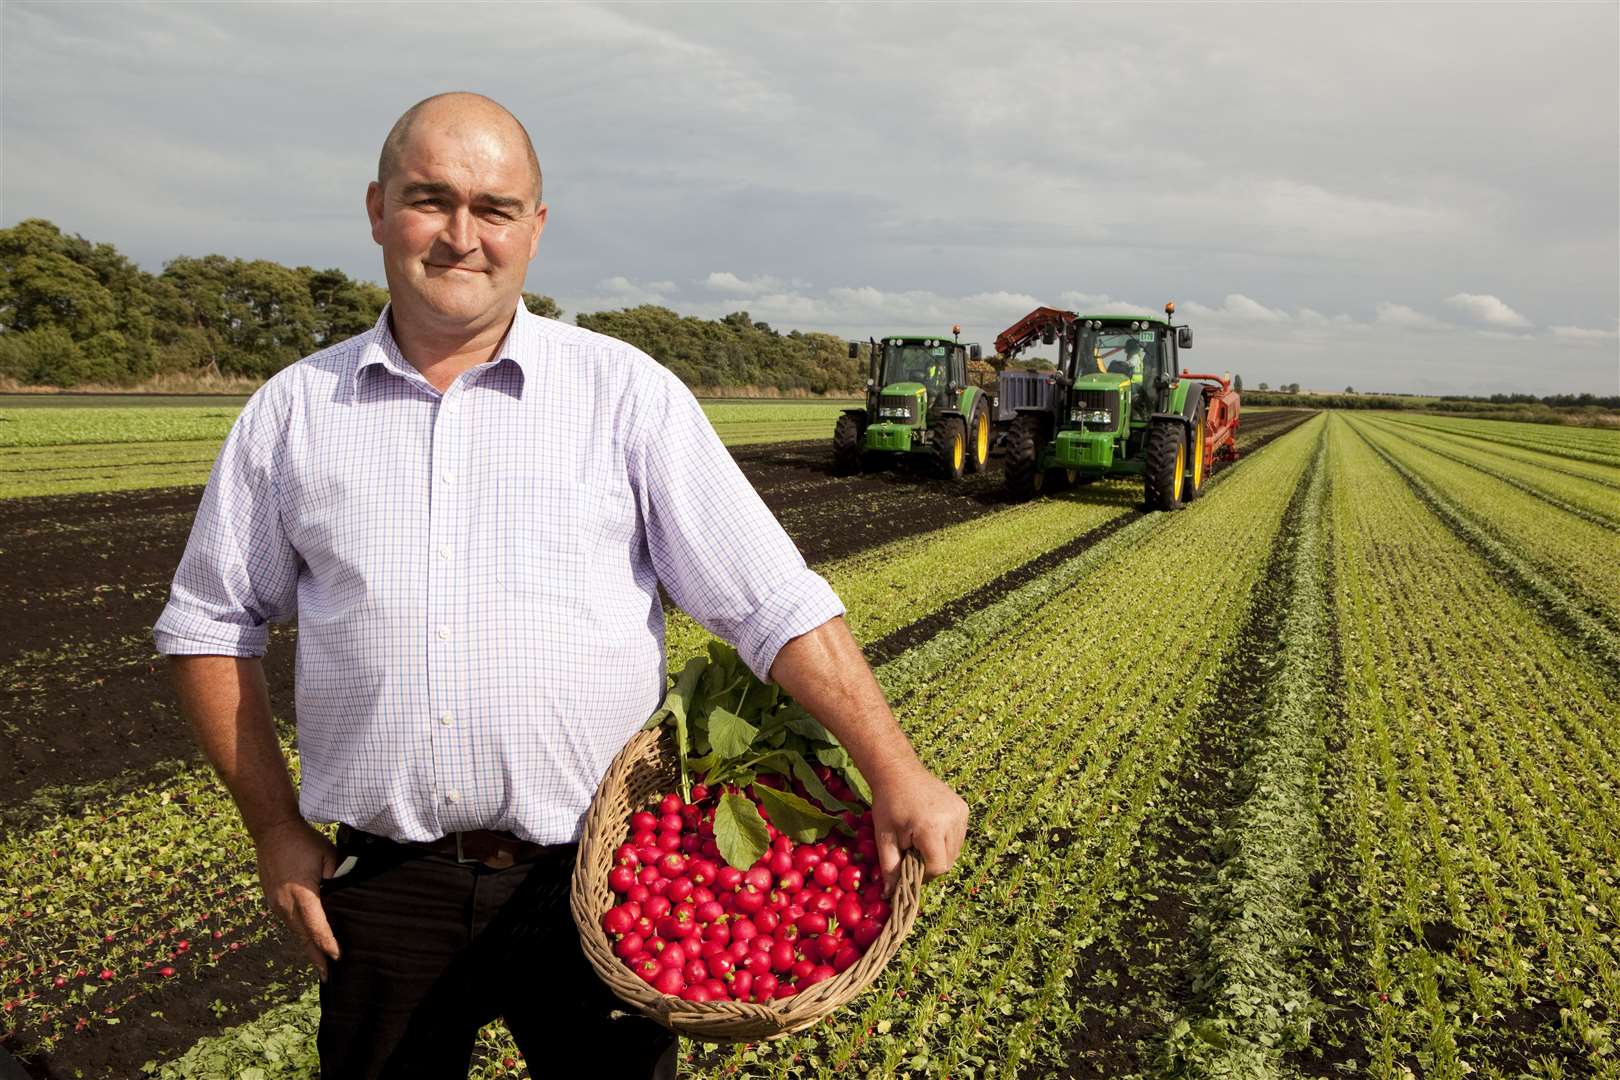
<point x="826" y="672"/>
<point x="228" y="705"/>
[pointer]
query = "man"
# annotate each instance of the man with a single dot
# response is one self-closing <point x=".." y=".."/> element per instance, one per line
<point x="471" y="510"/>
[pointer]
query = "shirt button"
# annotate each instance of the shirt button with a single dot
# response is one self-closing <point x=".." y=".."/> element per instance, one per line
<point x="447" y="719"/>
<point x="453" y="795"/>
<point x="444" y="551"/>
<point x="444" y="633"/>
<point x="448" y="477"/>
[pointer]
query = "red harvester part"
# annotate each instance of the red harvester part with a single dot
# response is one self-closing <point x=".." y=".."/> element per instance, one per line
<point x="1023" y="333"/>
<point x="1221" y="407"/>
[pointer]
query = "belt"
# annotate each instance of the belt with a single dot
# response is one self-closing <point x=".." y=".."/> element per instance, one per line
<point x="496" y="850"/>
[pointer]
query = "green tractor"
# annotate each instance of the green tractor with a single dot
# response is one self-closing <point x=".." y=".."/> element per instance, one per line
<point x="1120" y="405"/>
<point x="918" y="401"/>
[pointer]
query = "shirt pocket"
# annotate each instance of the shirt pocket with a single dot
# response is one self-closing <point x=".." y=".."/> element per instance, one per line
<point x="543" y="535"/>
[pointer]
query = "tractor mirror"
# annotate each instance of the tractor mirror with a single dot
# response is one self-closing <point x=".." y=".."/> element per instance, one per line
<point x="1048" y="336"/>
<point x="1183" y="337"/>
<point x="974" y="353"/>
<point x="854" y="349"/>
<point x="1237" y="383"/>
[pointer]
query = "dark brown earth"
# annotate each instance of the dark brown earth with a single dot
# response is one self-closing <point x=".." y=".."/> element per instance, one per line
<point x="86" y="711"/>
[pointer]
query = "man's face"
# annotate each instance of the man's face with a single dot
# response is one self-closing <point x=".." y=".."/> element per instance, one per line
<point x="457" y="223"/>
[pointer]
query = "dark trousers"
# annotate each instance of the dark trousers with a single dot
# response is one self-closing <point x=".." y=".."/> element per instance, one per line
<point x="433" y="949"/>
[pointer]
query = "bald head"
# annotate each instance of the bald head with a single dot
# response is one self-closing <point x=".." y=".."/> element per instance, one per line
<point x="458" y="110"/>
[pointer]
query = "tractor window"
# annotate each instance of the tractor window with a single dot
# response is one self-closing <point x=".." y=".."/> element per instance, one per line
<point x="1131" y="353"/>
<point x="926" y="364"/>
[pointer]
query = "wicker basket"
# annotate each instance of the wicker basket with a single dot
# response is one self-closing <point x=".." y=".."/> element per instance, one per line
<point x="645" y="768"/>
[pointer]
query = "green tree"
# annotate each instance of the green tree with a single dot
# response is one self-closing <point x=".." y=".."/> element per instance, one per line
<point x="543" y="306"/>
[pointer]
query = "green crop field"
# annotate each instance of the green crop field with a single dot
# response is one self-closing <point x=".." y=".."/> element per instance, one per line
<point x="49" y="446"/>
<point x="1316" y="777"/>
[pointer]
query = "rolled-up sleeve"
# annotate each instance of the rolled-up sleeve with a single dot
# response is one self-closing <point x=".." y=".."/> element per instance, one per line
<point x="718" y="550"/>
<point x="239" y="572"/>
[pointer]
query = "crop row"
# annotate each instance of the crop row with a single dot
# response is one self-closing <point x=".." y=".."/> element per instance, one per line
<point x="1592" y="445"/>
<point x="1482" y="750"/>
<point x="1585" y="498"/>
<point x="1060" y="741"/>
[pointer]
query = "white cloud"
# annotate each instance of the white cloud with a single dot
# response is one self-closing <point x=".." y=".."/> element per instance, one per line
<point x="1583" y="333"/>
<point x="1403" y="317"/>
<point x="724" y="281"/>
<point x="1488" y="309"/>
<point x="1236" y="308"/>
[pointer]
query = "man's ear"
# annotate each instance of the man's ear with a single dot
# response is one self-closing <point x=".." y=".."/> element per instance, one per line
<point x="539" y="227"/>
<point x="374" y="209"/>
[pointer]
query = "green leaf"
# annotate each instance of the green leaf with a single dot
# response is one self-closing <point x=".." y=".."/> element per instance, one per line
<point x="731" y="735"/>
<point x="812" y="783"/>
<point x="678" y="702"/>
<point x="739" y="832"/>
<point x="798" y="719"/>
<point x="795" y="816"/>
<point x="836" y="757"/>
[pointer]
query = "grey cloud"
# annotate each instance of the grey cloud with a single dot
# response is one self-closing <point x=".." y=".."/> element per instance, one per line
<point x="1304" y="159"/>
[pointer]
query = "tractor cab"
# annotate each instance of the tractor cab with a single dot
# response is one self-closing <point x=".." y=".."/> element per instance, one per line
<point x="930" y="366"/>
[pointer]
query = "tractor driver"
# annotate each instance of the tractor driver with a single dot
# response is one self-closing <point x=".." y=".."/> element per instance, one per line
<point x="1133" y="357"/>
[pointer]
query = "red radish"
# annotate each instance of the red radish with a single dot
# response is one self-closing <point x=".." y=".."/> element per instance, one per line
<point x="669" y="841"/>
<point x="784" y="990"/>
<point x="850" y="878"/>
<point x="826" y="873"/>
<point x="742" y="984"/>
<point x="700" y="792"/>
<point x="679" y="889"/>
<point x="718" y="932"/>
<point x="767" y="922"/>
<point x="782" y="956"/>
<point x="728" y="878"/>
<point x="764" y="986"/>
<point x="673" y="865"/>
<point x="720" y="966"/>
<point x="781" y="863"/>
<point x="630" y="946"/>
<point x="638" y="893"/>
<point x="759" y="877"/>
<point x="671" y="823"/>
<point x="656" y="907"/>
<point x="642" y="821"/>
<point x="849" y="912"/>
<point x="702" y="872"/>
<point x="845" y="958"/>
<point x="750" y="900"/>
<point x="865" y="933"/>
<point x="626" y="856"/>
<point x="621" y="878"/>
<point x="671" y="805"/>
<point x="812" y="922"/>
<point x="792" y="881"/>
<point x="802" y="970"/>
<point x="669" y="981"/>
<point x="696" y="971"/>
<point x="741" y="930"/>
<point x="673" y="956"/>
<point x="648" y="968"/>
<point x="166" y="971"/>
<point x="819" y="973"/>
<point x="758" y="962"/>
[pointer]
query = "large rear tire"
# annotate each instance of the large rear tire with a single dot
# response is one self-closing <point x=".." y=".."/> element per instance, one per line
<point x="846" y="446"/>
<point x="1166" y="453"/>
<point x="950" y="446"/>
<point x="1197" y="462"/>
<point x="978" y="441"/>
<point x="1025" y="479"/>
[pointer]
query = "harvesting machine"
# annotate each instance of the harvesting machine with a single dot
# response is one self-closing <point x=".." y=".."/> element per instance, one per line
<point x="1119" y="405"/>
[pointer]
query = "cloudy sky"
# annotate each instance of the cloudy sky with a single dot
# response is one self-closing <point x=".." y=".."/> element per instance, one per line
<point x="1407" y="197"/>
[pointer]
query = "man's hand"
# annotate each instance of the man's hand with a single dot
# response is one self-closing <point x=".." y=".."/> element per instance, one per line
<point x="293" y="860"/>
<point x="917" y="810"/>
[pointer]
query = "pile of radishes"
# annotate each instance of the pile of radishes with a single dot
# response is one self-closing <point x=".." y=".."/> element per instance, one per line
<point x="693" y="925"/>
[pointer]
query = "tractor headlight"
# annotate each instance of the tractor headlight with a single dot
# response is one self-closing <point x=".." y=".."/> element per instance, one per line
<point x="1101" y="416"/>
<point x="894" y="414"/>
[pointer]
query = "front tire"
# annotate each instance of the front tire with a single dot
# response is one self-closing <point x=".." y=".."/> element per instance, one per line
<point x="1025" y="479"/>
<point x="846" y="446"/>
<point x="1166" y="453"/>
<point x="950" y="447"/>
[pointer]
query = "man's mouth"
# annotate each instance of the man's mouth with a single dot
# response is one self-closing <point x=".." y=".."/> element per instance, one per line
<point x="459" y="269"/>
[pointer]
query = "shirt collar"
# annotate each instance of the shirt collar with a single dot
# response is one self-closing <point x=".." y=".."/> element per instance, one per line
<point x="521" y="345"/>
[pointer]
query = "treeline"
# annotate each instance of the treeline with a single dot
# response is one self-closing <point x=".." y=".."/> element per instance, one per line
<point x="733" y="351"/>
<point x="1458" y="403"/>
<point x="73" y="312"/>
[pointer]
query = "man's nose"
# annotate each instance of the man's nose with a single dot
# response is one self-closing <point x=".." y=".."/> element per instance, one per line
<point x="461" y="230"/>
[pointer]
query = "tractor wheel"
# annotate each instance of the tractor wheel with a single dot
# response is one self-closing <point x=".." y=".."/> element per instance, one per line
<point x="950" y="446"/>
<point x="1166" y="453"/>
<point x="1197" y="463"/>
<point x="1024" y="444"/>
<point x="846" y="446"/>
<point x="978" y="441"/>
